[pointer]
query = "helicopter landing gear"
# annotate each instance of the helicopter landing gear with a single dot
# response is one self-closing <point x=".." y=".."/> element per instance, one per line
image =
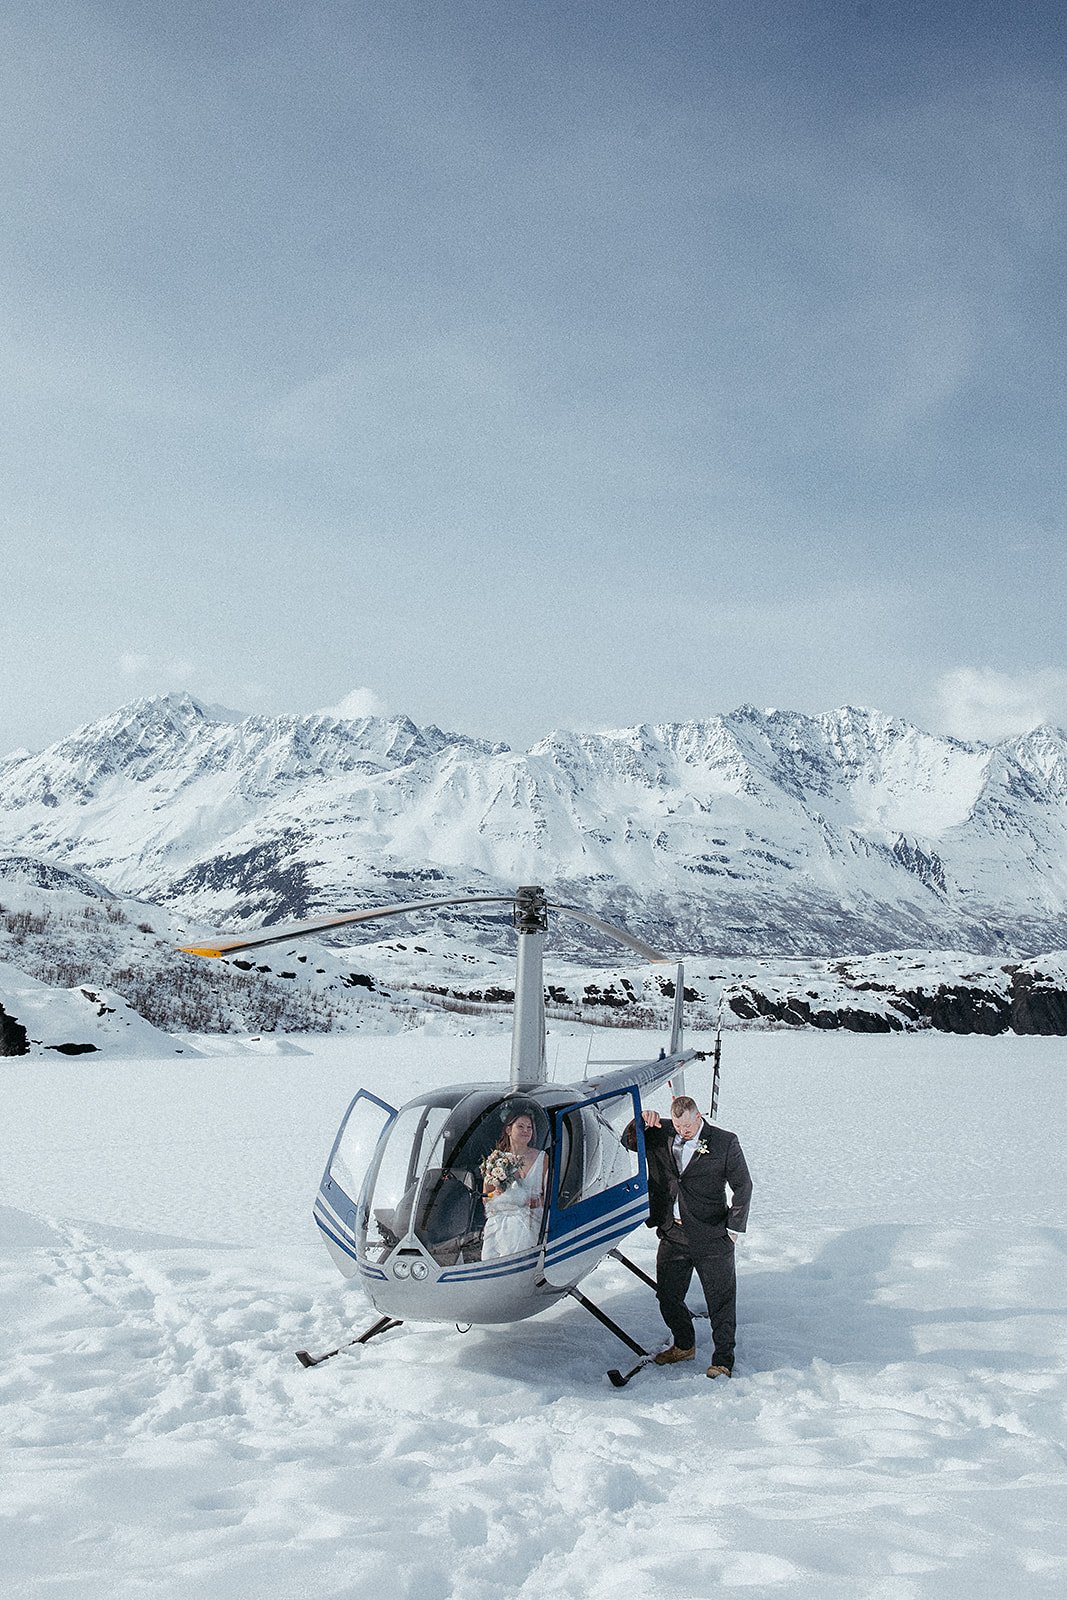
<point x="617" y="1255"/>
<point x="621" y="1379"/>
<point x="601" y="1316"/>
<point x="381" y="1326"/>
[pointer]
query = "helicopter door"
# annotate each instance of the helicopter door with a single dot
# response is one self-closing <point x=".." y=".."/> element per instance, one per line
<point x="338" y="1201"/>
<point x="599" y="1189"/>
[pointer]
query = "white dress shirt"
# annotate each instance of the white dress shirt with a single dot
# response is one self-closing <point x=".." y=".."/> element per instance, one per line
<point x="683" y="1150"/>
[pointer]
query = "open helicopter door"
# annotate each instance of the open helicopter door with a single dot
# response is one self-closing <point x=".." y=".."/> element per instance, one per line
<point x="337" y="1204"/>
<point x="598" y="1189"/>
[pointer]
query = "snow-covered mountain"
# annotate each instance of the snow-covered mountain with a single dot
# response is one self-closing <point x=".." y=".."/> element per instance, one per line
<point x="755" y="832"/>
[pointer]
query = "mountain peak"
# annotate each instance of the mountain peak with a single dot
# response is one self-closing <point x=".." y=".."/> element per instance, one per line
<point x="758" y="829"/>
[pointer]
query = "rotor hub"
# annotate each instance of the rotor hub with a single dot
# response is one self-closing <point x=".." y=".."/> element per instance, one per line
<point x="531" y="909"/>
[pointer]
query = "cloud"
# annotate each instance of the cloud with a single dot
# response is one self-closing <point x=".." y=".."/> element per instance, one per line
<point x="151" y="675"/>
<point x="177" y="669"/>
<point x="979" y="703"/>
<point x="356" y="704"/>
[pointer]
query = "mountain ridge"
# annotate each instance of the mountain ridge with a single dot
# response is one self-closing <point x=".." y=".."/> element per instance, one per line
<point x="745" y="832"/>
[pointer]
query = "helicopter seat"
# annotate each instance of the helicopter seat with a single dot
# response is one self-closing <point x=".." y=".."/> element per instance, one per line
<point x="390" y="1229"/>
<point x="394" y="1221"/>
<point x="450" y="1216"/>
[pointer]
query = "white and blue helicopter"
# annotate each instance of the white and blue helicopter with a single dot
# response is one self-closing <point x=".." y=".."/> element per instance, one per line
<point x="400" y="1204"/>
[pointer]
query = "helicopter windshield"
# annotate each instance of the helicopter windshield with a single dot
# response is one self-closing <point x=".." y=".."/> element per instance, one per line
<point x="432" y="1180"/>
<point x="594" y="1157"/>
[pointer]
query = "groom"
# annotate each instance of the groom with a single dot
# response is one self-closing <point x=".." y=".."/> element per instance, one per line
<point x="690" y="1166"/>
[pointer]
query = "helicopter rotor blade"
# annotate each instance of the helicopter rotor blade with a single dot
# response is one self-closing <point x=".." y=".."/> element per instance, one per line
<point x="611" y="930"/>
<point x="303" y="930"/>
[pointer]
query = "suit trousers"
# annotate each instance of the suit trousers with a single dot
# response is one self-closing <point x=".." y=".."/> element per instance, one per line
<point x="714" y="1266"/>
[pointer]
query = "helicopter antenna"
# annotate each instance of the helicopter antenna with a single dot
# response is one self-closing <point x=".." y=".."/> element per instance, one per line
<point x="715" y="1061"/>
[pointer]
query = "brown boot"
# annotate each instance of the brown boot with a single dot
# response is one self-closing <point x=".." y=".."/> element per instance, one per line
<point x="667" y="1358"/>
<point x="718" y="1372"/>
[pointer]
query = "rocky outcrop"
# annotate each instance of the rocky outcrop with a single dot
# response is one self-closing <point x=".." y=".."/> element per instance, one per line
<point x="1033" y="1003"/>
<point x="799" y="1013"/>
<point x="956" y="1009"/>
<point x="1038" y="1004"/>
<point x="1028" y="997"/>
<point x="14" y="1040"/>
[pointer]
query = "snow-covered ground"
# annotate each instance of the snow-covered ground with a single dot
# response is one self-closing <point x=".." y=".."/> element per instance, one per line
<point x="895" y="1427"/>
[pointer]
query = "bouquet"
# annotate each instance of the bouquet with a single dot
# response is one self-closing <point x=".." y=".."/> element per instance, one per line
<point x="500" y="1168"/>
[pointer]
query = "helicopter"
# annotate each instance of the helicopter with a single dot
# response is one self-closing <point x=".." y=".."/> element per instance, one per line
<point x="401" y="1204"/>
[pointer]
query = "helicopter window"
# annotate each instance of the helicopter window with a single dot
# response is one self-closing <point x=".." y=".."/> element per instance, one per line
<point x="572" y="1146"/>
<point x="395" y="1183"/>
<point x="450" y="1212"/>
<point x="468" y="1140"/>
<point x="358" y="1140"/>
<point x="593" y="1157"/>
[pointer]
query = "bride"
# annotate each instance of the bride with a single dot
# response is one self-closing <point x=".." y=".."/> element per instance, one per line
<point x="516" y="1173"/>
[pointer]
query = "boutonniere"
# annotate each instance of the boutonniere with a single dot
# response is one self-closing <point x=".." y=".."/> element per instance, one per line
<point x="702" y="1148"/>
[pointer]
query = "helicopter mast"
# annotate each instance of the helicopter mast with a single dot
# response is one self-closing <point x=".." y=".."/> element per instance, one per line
<point x="528" y="1065"/>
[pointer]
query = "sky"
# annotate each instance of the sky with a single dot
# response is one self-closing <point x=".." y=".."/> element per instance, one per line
<point x="520" y="366"/>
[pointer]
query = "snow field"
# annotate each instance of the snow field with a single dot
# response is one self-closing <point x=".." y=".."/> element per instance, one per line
<point x="895" y="1427"/>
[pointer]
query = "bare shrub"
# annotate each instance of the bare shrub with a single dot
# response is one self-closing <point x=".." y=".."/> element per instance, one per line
<point x="197" y="997"/>
<point x="64" y="972"/>
<point x="21" y="924"/>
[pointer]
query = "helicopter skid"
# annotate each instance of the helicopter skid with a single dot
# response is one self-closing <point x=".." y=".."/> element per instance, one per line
<point x="383" y="1325"/>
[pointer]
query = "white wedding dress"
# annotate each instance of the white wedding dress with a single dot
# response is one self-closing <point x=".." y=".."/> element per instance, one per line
<point x="511" y="1223"/>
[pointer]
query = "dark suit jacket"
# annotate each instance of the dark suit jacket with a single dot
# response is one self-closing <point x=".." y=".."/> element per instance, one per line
<point x="701" y="1189"/>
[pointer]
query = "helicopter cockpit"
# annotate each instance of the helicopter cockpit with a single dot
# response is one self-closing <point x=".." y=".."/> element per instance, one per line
<point x="419" y="1173"/>
<point x="428" y="1178"/>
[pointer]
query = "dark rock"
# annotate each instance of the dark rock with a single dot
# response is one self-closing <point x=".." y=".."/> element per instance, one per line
<point x="956" y="1009"/>
<point x="869" y="1021"/>
<point x="1037" y="1006"/>
<point x="273" y="886"/>
<point x="14" y="1040"/>
<point x="593" y="995"/>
